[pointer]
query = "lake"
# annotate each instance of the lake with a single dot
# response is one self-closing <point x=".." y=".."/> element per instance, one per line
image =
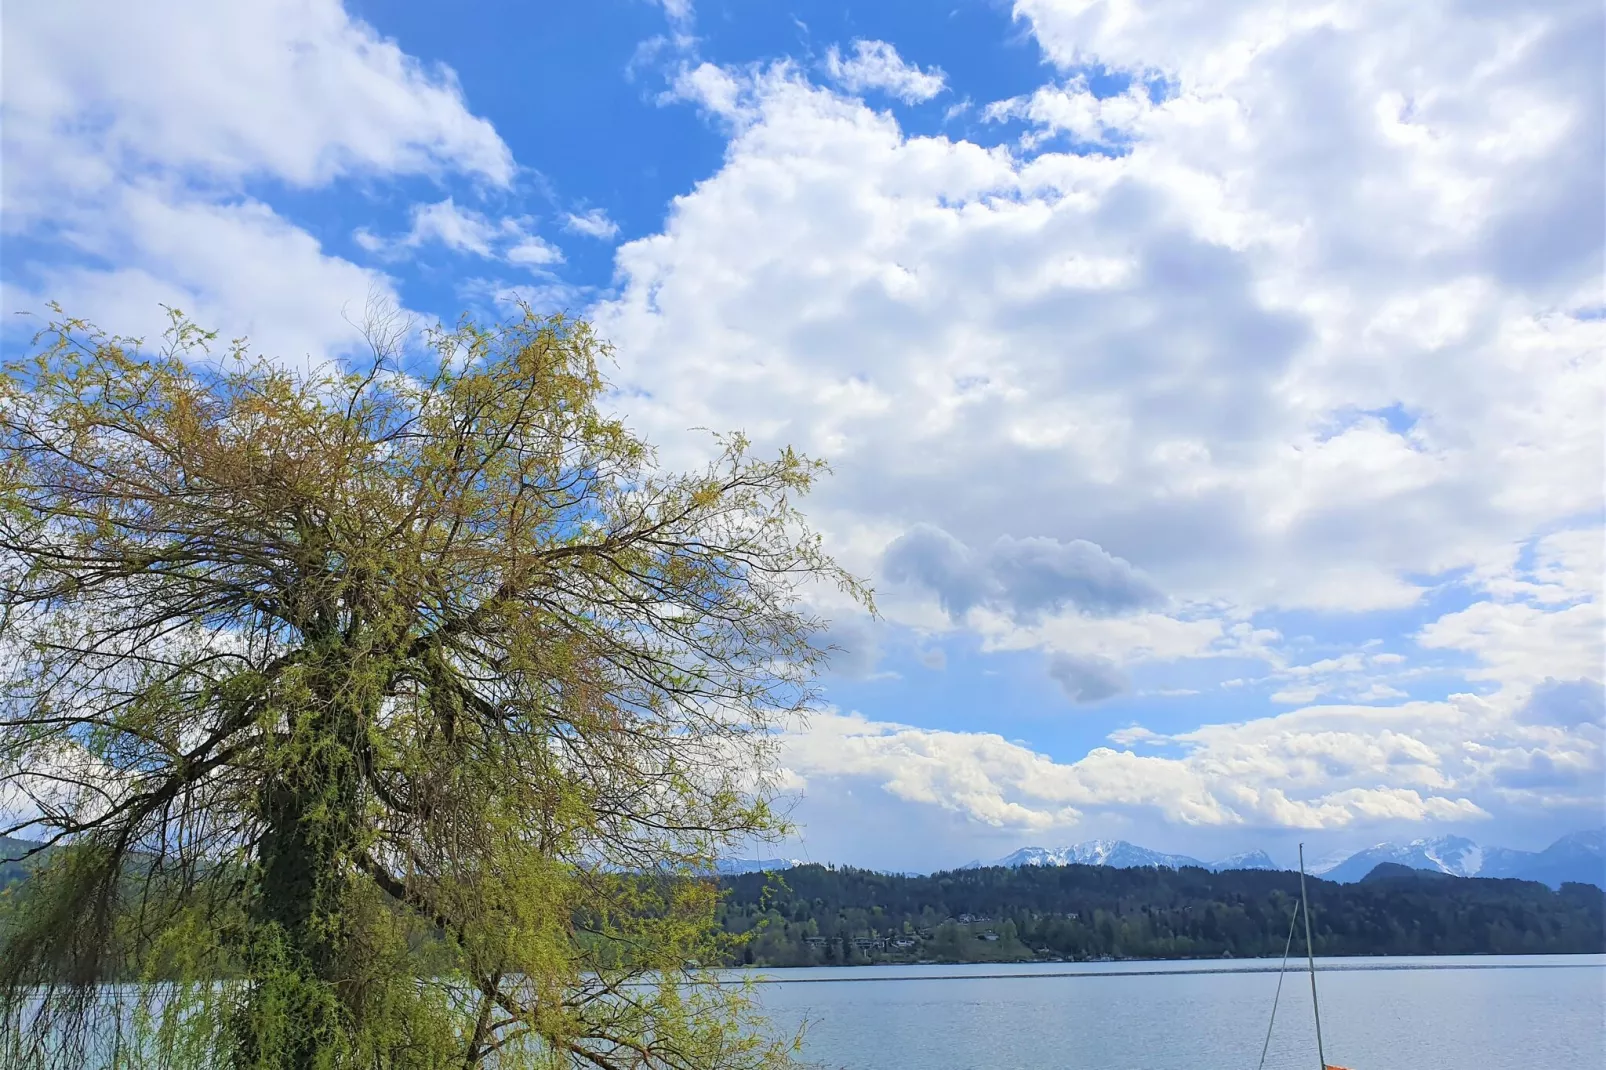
<point x="1489" y="1013"/>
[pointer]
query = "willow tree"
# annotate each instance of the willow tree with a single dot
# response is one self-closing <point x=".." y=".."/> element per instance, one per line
<point x="381" y="718"/>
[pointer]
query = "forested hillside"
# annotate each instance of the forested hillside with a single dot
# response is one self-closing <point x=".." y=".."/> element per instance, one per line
<point x="10" y="871"/>
<point x="817" y="915"/>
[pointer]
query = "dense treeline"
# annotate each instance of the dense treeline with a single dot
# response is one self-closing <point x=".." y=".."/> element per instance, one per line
<point x="815" y="915"/>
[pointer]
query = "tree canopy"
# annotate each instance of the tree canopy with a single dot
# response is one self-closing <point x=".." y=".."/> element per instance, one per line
<point x="381" y="716"/>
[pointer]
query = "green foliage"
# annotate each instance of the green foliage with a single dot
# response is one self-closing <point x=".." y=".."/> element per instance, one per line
<point x="344" y="701"/>
<point x="805" y="916"/>
<point x="13" y="866"/>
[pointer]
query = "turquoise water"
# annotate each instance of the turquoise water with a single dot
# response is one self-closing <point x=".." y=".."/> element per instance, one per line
<point x="1519" y="1013"/>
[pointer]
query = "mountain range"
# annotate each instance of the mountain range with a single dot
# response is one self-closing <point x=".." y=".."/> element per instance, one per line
<point x="730" y="867"/>
<point x="1579" y="856"/>
<point x="1121" y="855"/>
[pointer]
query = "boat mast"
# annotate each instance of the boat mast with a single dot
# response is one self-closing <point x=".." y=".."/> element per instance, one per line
<point x="1310" y="957"/>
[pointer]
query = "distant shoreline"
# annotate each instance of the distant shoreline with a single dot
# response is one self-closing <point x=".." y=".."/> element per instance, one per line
<point x="1347" y="965"/>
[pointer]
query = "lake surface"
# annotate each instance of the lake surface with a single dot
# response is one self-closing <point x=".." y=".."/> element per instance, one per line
<point x="1488" y="1013"/>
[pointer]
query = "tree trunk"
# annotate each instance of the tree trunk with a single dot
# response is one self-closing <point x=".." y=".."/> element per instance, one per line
<point x="298" y="1014"/>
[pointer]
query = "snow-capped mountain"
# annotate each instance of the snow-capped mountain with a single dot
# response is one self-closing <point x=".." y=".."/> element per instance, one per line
<point x="1505" y="862"/>
<point x="1579" y="857"/>
<point x="1122" y="855"/>
<point x="1445" y="854"/>
<point x="1244" y="860"/>
<point x="1115" y="853"/>
<point x="730" y="867"/>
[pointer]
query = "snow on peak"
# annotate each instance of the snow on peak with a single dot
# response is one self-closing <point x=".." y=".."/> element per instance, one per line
<point x="730" y="867"/>
<point x="1453" y="854"/>
<point x="1118" y="854"/>
<point x="1245" y="860"/>
<point x="1461" y="857"/>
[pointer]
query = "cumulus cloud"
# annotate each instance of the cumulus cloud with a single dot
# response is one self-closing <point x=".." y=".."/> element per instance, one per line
<point x="1086" y="678"/>
<point x="928" y="556"/>
<point x="227" y="91"/>
<point x="1185" y="353"/>
<point x="877" y="65"/>
<point x="1187" y="340"/>
<point x="718" y="91"/>
<point x="1024" y="578"/>
<point x="1566" y="703"/>
<point x="1522" y="643"/>
<point x="129" y="133"/>
<point x="1075" y="109"/>
<point x="464" y="230"/>
<point x="238" y="266"/>
<point x="1184" y="337"/>
<point x="1317" y="768"/>
<point x="1044" y="575"/>
<point x="593" y="223"/>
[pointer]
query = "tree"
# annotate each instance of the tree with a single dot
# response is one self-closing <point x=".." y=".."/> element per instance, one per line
<point x="381" y="717"/>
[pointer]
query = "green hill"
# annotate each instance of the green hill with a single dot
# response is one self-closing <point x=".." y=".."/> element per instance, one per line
<point x="818" y="915"/>
<point x="13" y="871"/>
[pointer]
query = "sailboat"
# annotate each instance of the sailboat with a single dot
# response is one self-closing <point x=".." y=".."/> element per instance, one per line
<point x="1303" y="906"/>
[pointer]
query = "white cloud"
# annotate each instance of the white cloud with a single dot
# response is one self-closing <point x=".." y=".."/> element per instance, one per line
<point x="129" y="134"/>
<point x="59" y="779"/>
<point x="1073" y="108"/>
<point x="1358" y="676"/>
<point x="1519" y="643"/>
<point x="1355" y="772"/>
<point x="1208" y="405"/>
<point x="465" y="230"/>
<point x="593" y="223"/>
<point x="1545" y="617"/>
<point x="680" y="13"/>
<point x="236" y="266"/>
<point x="877" y="65"/>
<point x="1561" y="568"/>
<point x="1322" y="767"/>
<point x="534" y="252"/>
<point x="444" y="222"/>
<point x="295" y="89"/>
<point x="1140" y="637"/>
<point x="713" y="88"/>
<point x="1305" y="334"/>
<point x="495" y="298"/>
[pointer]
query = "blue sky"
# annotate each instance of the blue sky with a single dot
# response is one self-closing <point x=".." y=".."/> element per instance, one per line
<point x="1213" y="391"/>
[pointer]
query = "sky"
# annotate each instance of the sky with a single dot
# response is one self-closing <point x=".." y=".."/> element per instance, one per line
<point x="1213" y="391"/>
